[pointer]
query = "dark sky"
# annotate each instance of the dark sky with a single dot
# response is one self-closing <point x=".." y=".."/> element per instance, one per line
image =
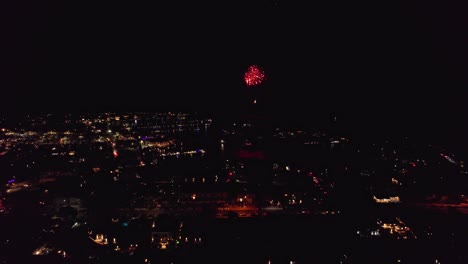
<point x="398" y="61"/>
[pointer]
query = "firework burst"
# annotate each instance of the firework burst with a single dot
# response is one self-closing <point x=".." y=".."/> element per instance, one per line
<point x="254" y="75"/>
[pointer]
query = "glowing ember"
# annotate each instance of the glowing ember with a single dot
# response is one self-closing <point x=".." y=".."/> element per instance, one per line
<point x="254" y="76"/>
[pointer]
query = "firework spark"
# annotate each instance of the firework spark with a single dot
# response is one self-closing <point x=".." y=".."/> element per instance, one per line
<point x="254" y="75"/>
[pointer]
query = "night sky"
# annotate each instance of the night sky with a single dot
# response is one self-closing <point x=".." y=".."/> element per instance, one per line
<point x="400" y="63"/>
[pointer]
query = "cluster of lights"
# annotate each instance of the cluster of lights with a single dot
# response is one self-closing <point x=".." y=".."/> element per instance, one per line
<point x="394" y="199"/>
<point x="254" y="75"/>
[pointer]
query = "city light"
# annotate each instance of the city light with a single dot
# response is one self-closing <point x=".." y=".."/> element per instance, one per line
<point x="166" y="184"/>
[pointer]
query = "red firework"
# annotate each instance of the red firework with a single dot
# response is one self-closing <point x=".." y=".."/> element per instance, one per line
<point x="254" y="75"/>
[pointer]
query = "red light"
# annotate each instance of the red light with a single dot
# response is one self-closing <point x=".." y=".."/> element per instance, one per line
<point x="254" y="75"/>
<point x="230" y="173"/>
